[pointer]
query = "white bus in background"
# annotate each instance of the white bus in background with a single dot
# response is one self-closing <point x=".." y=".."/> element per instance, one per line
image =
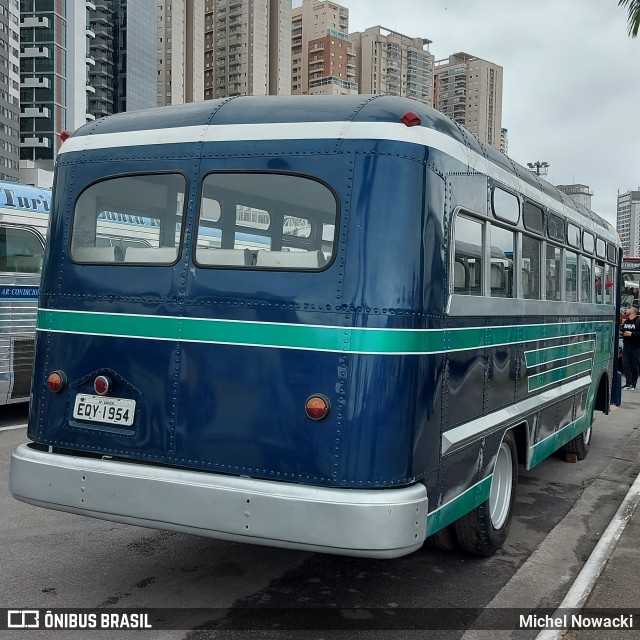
<point x="24" y="216"/>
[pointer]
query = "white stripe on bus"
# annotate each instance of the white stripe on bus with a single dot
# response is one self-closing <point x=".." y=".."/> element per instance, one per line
<point x="337" y="130"/>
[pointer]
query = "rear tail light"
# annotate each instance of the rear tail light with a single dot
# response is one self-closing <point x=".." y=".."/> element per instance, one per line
<point x="102" y="385"/>
<point x="56" y="381"/>
<point x="317" y="407"/>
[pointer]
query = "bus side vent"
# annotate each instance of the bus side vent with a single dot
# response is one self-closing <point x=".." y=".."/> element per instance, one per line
<point x="22" y="364"/>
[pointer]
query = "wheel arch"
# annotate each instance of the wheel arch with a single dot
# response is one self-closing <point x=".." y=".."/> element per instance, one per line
<point x="603" y="394"/>
<point x="521" y="434"/>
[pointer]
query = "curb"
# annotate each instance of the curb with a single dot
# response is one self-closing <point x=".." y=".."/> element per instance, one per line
<point x="584" y="583"/>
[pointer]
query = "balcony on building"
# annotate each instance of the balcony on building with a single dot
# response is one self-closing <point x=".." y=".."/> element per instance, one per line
<point x="90" y="33"/>
<point x="35" y="142"/>
<point x="316" y="47"/>
<point x="35" y="52"/>
<point x="35" y="22"/>
<point x="35" y="83"/>
<point x="35" y="112"/>
<point x="90" y="5"/>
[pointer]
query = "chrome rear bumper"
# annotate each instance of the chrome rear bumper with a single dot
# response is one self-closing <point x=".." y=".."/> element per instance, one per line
<point x="382" y="523"/>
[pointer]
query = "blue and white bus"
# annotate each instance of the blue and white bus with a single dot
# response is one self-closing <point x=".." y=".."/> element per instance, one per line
<point x="342" y="326"/>
<point x="24" y="215"/>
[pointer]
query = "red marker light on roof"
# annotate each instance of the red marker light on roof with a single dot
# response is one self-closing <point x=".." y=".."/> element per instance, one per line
<point x="65" y="135"/>
<point x="411" y="119"/>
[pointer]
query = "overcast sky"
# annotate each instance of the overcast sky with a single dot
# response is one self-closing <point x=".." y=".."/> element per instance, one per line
<point x="571" y="94"/>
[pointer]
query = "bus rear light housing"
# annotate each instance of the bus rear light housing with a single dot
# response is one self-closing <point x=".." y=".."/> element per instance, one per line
<point x="102" y="385"/>
<point x="317" y="407"/>
<point x="56" y="381"/>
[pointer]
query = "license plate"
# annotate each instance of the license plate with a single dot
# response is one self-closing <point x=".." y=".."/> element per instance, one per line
<point x="119" y="411"/>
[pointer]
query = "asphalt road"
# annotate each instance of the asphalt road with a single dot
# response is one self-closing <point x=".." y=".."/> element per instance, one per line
<point x="50" y="559"/>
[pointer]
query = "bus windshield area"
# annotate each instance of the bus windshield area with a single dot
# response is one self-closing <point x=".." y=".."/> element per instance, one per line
<point x="255" y="220"/>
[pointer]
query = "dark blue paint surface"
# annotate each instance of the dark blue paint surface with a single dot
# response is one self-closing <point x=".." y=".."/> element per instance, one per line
<point x="240" y="409"/>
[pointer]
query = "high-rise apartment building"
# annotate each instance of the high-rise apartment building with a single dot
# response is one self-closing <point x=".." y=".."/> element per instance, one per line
<point x="469" y="91"/>
<point x="54" y="50"/>
<point x="394" y="64"/>
<point x="9" y="90"/>
<point x="124" y="50"/>
<point x="247" y="48"/>
<point x="628" y="222"/>
<point x="180" y="51"/>
<point x="322" y="55"/>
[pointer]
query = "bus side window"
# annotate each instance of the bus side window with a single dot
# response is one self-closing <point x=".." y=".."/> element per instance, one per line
<point x="531" y="253"/>
<point x="599" y="283"/>
<point x="502" y="255"/>
<point x="571" y="277"/>
<point x="20" y="251"/>
<point x="585" y="279"/>
<point x="460" y="277"/>
<point x="468" y="252"/>
<point x="552" y="269"/>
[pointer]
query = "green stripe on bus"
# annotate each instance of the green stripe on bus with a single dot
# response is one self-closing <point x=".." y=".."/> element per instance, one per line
<point x="456" y="508"/>
<point x="318" y="338"/>
<point x="550" y="354"/>
<point x="559" y="374"/>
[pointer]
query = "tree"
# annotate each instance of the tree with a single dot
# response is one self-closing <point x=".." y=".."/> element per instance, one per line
<point x="633" y="7"/>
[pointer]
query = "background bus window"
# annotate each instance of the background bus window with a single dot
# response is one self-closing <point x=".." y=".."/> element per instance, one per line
<point x="598" y="282"/>
<point x="135" y="219"/>
<point x="502" y="260"/>
<point x="609" y="284"/>
<point x="506" y="205"/>
<point x="571" y="277"/>
<point x="20" y="251"/>
<point x="265" y="220"/>
<point x="553" y="273"/>
<point x="467" y="267"/>
<point x="585" y="279"/>
<point x="531" y="256"/>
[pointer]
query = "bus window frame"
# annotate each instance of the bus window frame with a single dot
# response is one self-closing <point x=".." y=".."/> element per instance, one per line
<point x="275" y="231"/>
<point x="39" y="238"/>
<point x="141" y="174"/>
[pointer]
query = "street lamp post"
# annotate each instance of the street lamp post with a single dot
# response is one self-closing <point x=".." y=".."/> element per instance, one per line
<point x="539" y="168"/>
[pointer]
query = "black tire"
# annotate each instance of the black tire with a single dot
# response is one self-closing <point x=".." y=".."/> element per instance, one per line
<point x="445" y="539"/>
<point x="478" y="531"/>
<point x="581" y="444"/>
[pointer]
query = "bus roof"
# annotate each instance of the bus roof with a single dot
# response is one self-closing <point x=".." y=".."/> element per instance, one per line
<point x="339" y="118"/>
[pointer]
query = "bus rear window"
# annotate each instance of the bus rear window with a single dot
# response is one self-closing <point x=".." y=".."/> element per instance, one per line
<point x="132" y="219"/>
<point x="265" y="220"/>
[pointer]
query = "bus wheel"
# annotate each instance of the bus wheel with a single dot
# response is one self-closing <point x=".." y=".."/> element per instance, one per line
<point x="445" y="539"/>
<point x="581" y="443"/>
<point x="484" y="530"/>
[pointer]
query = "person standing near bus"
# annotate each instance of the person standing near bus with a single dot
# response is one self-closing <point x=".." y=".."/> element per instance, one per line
<point x="631" y="346"/>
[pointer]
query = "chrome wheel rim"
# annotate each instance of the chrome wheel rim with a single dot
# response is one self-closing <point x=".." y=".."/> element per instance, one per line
<point x="501" y="485"/>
